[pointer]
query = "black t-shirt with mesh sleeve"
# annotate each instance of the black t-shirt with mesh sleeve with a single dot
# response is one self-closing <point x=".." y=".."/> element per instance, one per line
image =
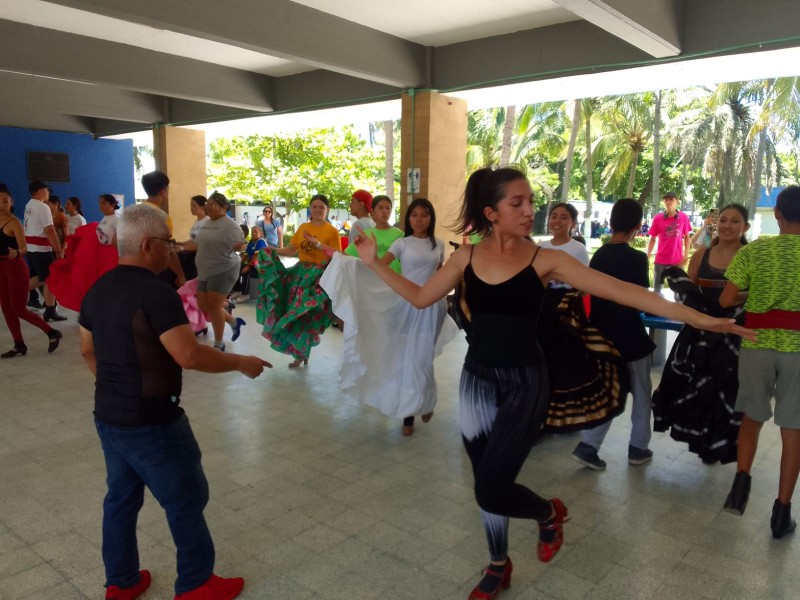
<point x="138" y="382"/>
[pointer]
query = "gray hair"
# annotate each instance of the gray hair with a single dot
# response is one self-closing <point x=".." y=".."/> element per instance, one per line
<point x="138" y="223"/>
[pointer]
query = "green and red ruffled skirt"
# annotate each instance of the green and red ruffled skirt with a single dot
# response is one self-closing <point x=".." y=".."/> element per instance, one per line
<point x="292" y="307"/>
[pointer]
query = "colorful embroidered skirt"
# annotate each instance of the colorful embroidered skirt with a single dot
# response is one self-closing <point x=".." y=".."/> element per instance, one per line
<point x="292" y="307"/>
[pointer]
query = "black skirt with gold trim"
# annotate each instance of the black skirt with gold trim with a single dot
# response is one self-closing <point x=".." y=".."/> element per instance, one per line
<point x="589" y="380"/>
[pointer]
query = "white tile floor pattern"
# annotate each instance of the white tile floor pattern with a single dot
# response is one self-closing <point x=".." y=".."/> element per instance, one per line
<point x="313" y="496"/>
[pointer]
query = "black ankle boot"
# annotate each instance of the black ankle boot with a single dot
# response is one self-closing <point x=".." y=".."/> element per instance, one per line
<point x="19" y="349"/>
<point x="50" y="314"/>
<point x="740" y="492"/>
<point x="781" y="521"/>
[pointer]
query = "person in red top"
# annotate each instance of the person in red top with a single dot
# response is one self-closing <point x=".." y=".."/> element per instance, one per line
<point x="673" y="230"/>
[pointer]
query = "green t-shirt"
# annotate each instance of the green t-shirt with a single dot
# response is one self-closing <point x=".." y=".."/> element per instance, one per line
<point x="769" y="269"/>
<point x="384" y="237"/>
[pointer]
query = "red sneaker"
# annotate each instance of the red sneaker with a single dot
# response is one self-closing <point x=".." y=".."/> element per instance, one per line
<point x="216" y="588"/>
<point x="114" y="592"/>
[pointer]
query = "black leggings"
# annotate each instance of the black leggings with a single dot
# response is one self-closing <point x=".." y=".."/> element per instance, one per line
<point x="502" y="411"/>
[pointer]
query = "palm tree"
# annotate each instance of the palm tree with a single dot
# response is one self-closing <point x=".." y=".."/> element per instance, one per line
<point x="508" y="131"/>
<point x="656" y="148"/>
<point x="573" y="137"/>
<point x="627" y="123"/>
<point x="138" y="153"/>
<point x="779" y="120"/>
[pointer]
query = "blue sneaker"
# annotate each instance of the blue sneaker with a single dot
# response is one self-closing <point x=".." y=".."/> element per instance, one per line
<point x="237" y="328"/>
<point x="639" y="456"/>
<point x="587" y="456"/>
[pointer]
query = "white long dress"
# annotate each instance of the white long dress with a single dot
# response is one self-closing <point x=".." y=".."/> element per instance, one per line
<point x="389" y="346"/>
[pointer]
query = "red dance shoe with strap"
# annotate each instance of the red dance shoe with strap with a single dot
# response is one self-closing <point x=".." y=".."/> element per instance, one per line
<point x="503" y="577"/>
<point x="551" y="532"/>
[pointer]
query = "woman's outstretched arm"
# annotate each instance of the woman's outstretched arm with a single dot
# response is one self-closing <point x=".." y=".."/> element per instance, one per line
<point x="559" y="265"/>
<point x="436" y="288"/>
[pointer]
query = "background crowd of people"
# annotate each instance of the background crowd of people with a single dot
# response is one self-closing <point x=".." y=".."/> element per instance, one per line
<point x="542" y="357"/>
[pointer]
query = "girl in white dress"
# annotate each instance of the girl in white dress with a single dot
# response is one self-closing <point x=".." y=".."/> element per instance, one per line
<point x="389" y="346"/>
<point x="107" y="228"/>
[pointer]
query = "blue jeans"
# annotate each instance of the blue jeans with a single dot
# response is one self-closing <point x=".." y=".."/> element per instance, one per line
<point x="166" y="459"/>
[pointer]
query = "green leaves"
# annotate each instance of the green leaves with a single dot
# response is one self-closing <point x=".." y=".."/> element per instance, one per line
<point x="294" y="167"/>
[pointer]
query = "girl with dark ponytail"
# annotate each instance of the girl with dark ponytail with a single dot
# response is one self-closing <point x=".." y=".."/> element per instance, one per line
<point x="504" y="390"/>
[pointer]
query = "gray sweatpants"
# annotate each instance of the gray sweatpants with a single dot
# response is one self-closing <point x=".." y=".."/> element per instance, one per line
<point x="642" y="393"/>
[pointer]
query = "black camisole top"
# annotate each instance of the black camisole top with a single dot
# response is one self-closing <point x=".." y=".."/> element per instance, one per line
<point x="504" y="318"/>
<point x="712" y="281"/>
<point x="7" y="242"/>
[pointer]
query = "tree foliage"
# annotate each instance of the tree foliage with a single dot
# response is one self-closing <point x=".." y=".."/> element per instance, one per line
<point x="294" y="167"/>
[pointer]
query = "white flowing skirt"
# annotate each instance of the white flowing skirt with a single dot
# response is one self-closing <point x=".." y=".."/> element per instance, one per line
<point x="389" y="346"/>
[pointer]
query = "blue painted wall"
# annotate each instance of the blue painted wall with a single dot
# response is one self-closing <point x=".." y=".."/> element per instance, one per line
<point x="96" y="166"/>
<point x="768" y="200"/>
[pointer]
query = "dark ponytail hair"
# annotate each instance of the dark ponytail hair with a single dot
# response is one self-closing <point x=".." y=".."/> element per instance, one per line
<point x="200" y="200"/>
<point x="110" y="199"/>
<point x="76" y="202"/>
<point x="426" y="204"/>
<point x="485" y="187"/>
<point x="745" y="215"/>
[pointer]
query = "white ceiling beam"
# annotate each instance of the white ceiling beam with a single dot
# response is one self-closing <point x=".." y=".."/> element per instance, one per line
<point x="57" y="96"/>
<point x="49" y="53"/>
<point x="653" y="26"/>
<point x="279" y="28"/>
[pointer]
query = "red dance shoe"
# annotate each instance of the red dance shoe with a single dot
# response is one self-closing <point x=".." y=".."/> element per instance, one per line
<point x="551" y="533"/>
<point x="216" y="588"/>
<point x="505" y="582"/>
<point x="114" y="592"/>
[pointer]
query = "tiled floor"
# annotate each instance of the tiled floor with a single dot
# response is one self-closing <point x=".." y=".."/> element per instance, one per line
<point x="313" y="496"/>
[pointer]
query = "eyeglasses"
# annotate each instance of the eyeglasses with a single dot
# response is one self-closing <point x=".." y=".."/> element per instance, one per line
<point x="170" y="242"/>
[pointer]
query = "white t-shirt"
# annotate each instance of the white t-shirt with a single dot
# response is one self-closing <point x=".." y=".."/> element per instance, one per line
<point x="107" y="229"/>
<point x="75" y="221"/>
<point x="37" y="217"/>
<point x="197" y="226"/>
<point x="575" y="249"/>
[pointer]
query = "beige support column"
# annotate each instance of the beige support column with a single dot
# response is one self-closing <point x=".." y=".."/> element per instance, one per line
<point x="181" y="154"/>
<point x="434" y="140"/>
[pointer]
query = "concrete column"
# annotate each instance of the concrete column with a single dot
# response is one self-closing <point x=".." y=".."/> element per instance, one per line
<point x="181" y="154"/>
<point x="434" y="140"/>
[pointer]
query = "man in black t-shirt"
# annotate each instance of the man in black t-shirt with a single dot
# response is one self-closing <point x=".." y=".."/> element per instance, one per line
<point x="136" y="339"/>
<point x="623" y="326"/>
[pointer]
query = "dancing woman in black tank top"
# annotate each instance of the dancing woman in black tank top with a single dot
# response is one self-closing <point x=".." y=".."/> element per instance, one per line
<point x="503" y="390"/>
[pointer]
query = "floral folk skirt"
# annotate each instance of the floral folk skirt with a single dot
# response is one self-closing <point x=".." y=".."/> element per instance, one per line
<point x="292" y="307"/>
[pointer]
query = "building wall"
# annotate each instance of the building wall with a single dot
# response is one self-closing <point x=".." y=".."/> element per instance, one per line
<point x="97" y="166"/>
